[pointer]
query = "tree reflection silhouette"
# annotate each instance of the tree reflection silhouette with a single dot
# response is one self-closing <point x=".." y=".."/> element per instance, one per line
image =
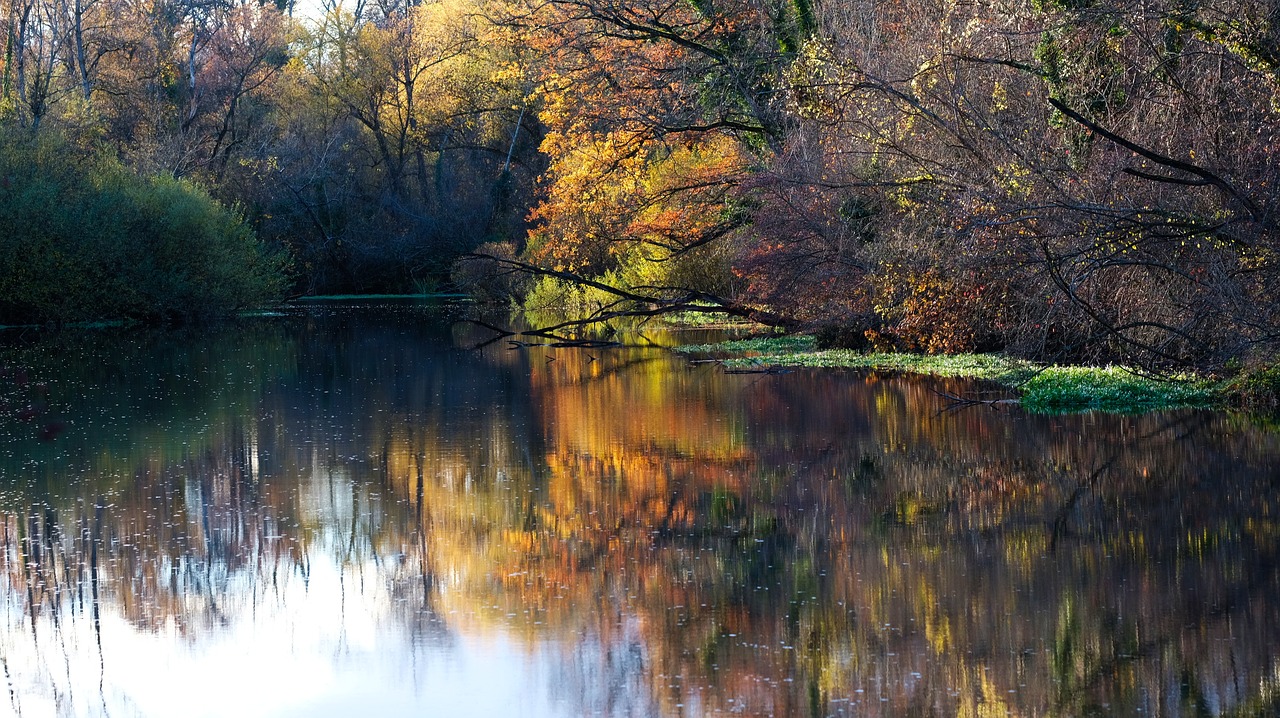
<point x="673" y="541"/>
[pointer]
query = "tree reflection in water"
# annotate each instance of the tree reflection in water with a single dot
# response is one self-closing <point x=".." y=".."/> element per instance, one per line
<point x="329" y="513"/>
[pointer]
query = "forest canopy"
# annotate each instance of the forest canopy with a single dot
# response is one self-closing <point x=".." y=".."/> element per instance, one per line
<point x="1082" y="180"/>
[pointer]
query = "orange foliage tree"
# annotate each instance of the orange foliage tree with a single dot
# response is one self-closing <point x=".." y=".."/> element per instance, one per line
<point x="655" y="114"/>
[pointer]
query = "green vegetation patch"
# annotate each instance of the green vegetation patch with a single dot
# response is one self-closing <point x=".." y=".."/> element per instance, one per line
<point x="776" y="347"/>
<point x="801" y="351"/>
<point x="1051" y="389"/>
<point x="1257" y="388"/>
<point x="708" y="320"/>
<point x="1114" y="389"/>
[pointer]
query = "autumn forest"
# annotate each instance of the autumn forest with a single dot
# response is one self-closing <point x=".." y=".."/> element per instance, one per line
<point x="1074" y="180"/>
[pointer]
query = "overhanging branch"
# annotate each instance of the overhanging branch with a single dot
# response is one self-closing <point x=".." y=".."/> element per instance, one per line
<point x="632" y="303"/>
<point x="1206" y="178"/>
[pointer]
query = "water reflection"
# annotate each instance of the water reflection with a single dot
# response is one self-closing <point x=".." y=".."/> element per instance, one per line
<point x="343" y="512"/>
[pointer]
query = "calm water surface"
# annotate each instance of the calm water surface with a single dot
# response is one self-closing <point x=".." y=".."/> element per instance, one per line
<point x="344" y="511"/>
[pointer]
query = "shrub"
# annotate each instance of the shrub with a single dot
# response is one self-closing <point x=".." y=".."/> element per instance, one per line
<point x="487" y="280"/>
<point x="932" y="311"/>
<point x="87" y="239"/>
<point x="551" y="299"/>
<point x="854" y="333"/>
<point x="1256" y="388"/>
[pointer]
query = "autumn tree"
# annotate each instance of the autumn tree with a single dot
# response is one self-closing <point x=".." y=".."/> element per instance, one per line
<point x="656" y="113"/>
<point x="1074" y="181"/>
<point x="396" y="128"/>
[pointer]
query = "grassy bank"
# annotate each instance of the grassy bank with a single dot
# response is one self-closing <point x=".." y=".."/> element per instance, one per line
<point x="1049" y="389"/>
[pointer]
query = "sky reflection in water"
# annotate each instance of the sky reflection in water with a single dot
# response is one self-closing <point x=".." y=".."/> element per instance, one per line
<point x="342" y="511"/>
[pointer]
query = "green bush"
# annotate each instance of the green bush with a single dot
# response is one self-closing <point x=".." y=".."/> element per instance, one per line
<point x="551" y="299"/>
<point x="1256" y="388"/>
<point x="83" y="238"/>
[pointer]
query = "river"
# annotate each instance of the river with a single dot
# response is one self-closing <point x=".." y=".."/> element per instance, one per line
<point x="343" y="509"/>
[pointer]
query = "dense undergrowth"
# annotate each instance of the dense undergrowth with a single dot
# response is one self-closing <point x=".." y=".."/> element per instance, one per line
<point x="87" y="239"/>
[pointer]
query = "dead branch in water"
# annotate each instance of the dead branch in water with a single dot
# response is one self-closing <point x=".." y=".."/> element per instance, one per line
<point x="963" y="401"/>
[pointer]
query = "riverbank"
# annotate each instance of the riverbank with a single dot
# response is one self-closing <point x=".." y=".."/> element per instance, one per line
<point x="1037" y="387"/>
